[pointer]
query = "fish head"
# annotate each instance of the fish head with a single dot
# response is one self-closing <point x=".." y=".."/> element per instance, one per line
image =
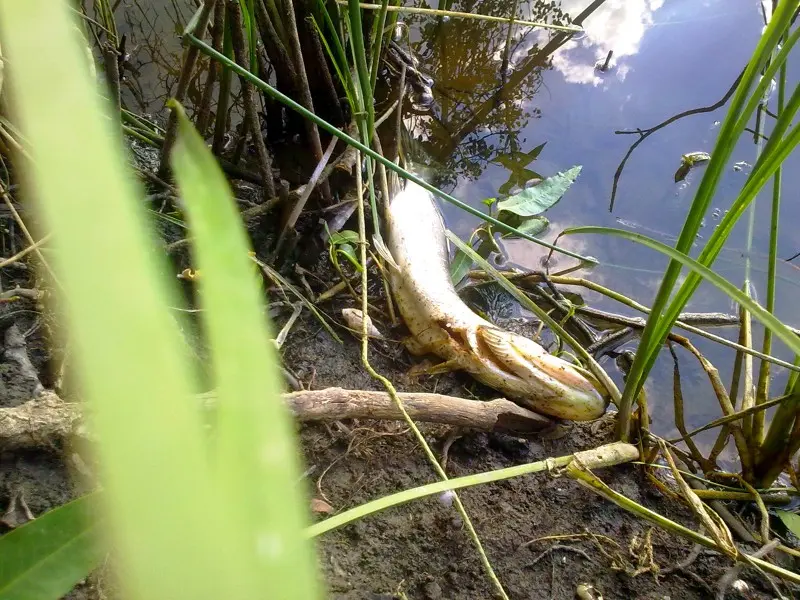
<point x="551" y="385"/>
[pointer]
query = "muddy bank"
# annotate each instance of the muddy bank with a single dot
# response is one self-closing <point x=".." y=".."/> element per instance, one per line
<point x="423" y="551"/>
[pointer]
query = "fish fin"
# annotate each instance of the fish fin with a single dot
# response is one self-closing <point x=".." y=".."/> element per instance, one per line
<point x="426" y="368"/>
<point x="383" y="251"/>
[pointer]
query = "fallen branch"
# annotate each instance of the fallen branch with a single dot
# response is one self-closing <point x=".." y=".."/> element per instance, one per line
<point x="47" y="420"/>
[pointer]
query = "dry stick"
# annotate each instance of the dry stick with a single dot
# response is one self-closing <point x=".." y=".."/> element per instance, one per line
<point x="680" y="421"/>
<point x="725" y="404"/>
<point x="217" y="31"/>
<point x="47" y="419"/>
<point x="27" y="234"/>
<point x="304" y="89"/>
<point x="294" y="214"/>
<point x="189" y="60"/>
<point x="251" y="113"/>
<point x="329" y="89"/>
<point x="10" y="261"/>
<point x="362" y="232"/>
<point x="111" y="65"/>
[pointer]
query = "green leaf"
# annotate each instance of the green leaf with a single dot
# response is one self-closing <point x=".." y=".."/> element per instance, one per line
<point x="531" y="226"/>
<point x="349" y="253"/>
<point x="46" y="557"/>
<point x="537" y="199"/>
<point x="790" y="520"/>
<point x="459" y="267"/>
<point x="254" y="448"/>
<point x="344" y="237"/>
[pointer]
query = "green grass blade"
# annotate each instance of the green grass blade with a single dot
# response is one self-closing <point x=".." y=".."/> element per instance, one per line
<point x="732" y="127"/>
<point x="255" y="453"/>
<point x="164" y="517"/>
<point x="763" y="384"/>
<point x="758" y="178"/>
<point x="285" y="100"/>
<point x="339" y="59"/>
<point x="378" y="32"/>
<point x="780" y="330"/>
<point x="46" y="557"/>
<point x="604" y="456"/>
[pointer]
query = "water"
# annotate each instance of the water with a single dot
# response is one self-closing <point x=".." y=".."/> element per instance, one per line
<point x="496" y="100"/>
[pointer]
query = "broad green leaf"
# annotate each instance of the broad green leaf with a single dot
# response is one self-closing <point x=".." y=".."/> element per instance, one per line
<point x="537" y="199"/>
<point x="349" y="252"/>
<point x="459" y="267"/>
<point x="254" y="449"/>
<point x="344" y="236"/>
<point x="531" y="226"/>
<point x="166" y="522"/>
<point x="46" y="557"/>
<point x="790" y="520"/>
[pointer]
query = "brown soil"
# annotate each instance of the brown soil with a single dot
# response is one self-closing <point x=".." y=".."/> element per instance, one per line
<point x="544" y="534"/>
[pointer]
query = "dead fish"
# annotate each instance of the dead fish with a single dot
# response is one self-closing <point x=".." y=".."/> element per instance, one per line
<point x="442" y="324"/>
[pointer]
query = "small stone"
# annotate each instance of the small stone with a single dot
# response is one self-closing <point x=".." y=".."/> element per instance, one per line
<point x="432" y="591"/>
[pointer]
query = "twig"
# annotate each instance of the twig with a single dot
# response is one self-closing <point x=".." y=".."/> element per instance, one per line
<point x="28" y="235"/>
<point x="46" y="420"/>
<point x="204" y="109"/>
<point x="645" y="133"/>
<point x="189" y="60"/>
<point x="298" y="207"/>
<point x="251" y="113"/>
<point x="303" y="88"/>
<point x="13" y="259"/>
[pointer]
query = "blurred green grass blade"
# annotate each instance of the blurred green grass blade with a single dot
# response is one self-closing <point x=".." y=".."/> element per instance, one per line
<point x="162" y="511"/>
<point x="256" y="459"/>
<point x="46" y="557"/>
<point x="767" y="319"/>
